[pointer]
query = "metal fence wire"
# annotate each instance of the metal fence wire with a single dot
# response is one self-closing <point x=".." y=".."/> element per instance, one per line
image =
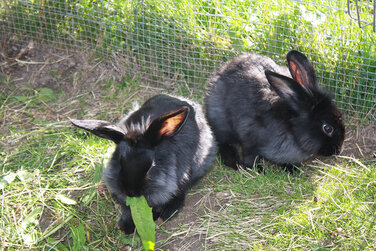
<point x="184" y="41"/>
<point x="363" y="12"/>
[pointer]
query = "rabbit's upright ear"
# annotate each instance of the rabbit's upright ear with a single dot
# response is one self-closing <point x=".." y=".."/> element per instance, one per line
<point x="289" y="90"/>
<point x="101" y="128"/>
<point x="166" y="125"/>
<point x="301" y="70"/>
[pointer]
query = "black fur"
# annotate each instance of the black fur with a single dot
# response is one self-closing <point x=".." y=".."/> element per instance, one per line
<point x="154" y="158"/>
<point x="271" y="111"/>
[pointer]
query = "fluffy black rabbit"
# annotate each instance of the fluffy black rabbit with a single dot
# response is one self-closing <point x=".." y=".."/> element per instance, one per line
<point x="162" y="149"/>
<point x="258" y="108"/>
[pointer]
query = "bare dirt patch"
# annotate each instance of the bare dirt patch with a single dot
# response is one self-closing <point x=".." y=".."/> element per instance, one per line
<point x="77" y="76"/>
<point x="360" y="142"/>
<point x="30" y="64"/>
<point x="184" y="232"/>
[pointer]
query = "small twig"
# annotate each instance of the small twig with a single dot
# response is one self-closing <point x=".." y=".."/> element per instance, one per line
<point x="356" y="161"/>
<point x="44" y="63"/>
<point x="338" y="205"/>
<point x="370" y="110"/>
<point x="8" y="97"/>
<point x="360" y="150"/>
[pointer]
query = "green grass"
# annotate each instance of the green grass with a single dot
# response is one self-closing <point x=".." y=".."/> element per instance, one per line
<point x="55" y="176"/>
<point x="52" y="197"/>
<point x="186" y="40"/>
<point x="326" y="207"/>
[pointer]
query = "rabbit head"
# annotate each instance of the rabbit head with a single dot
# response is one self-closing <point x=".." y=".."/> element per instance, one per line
<point x="317" y="123"/>
<point x="134" y="153"/>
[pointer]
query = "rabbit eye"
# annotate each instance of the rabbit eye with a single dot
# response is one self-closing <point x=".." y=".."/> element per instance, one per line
<point x="328" y="129"/>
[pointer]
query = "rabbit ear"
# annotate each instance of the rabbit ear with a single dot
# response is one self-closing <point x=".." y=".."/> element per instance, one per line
<point x="166" y="125"/>
<point x="289" y="90"/>
<point x="101" y="128"/>
<point x="301" y="69"/>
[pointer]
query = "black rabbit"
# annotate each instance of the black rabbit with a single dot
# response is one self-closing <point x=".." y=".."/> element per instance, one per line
<point x="162" y="149"/>
<point x="254" y="111"/>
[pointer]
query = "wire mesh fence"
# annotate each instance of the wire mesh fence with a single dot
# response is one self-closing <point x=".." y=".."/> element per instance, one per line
<point x="363" y="12"/>
<point x="169" y="42"/>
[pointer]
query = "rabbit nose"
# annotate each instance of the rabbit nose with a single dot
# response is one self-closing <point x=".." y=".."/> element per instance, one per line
<point x="338" y="150"/>
<point x="132" y="193"/>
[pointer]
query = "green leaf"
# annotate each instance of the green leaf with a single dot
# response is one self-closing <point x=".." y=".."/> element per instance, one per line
<point x="24" y="176"/>
<point x="6" y="179"/>
<point x="46" y="94"/>
<point x="30" y="238"/>
<point x="78" y="235"/>
<point x="55" y="245"/>
<point x="46" y="91"/>
<point x="23" y="99"/>
<point x="142" y="216"/>
<point x="31" y="218"/>
<point x="62" y="198"/>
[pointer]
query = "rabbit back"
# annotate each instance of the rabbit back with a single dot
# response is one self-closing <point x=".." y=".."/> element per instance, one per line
<point x="266" y="117"/>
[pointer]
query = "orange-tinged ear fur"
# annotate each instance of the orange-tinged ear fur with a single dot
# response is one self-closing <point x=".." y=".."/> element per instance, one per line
<point x="166" y="125"/>
<point x="302" y="70"/>
<point x="171" y="124"/>
<point x="296" y="72"/>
